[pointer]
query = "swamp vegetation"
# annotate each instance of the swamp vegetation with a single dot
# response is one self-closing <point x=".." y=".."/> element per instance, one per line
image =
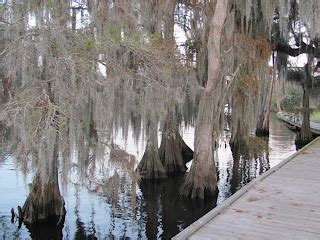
<point x="76" y="74"/>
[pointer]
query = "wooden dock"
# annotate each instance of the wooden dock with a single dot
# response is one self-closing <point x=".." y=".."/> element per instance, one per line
<point x="283" y="203"/>
<point x="296" y="122"/>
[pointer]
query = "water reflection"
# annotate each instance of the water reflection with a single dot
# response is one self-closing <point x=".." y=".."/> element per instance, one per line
<point x="155" y="211"/>
<point x="248" y="165"/>
<point x="237" y="167"/>
<point x="48" y="230"/>
<point x="81" y="232"/>
<point x="167" y="211"/>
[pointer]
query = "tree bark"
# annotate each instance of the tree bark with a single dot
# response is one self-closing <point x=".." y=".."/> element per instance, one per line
<point x="45" y="203"/>
<point x="4" y="76"/>
<point x="279" y="93"/>
<point x="201" y="181"/>
<point x="262" y="129"/>
<point x="169" y="21"/>
<point x="6" y="84"/>
<point x="238" y="137"/>
<point x="171" y="147"/>
<point x="150" y="166"/>
<point x="304" y="136"/>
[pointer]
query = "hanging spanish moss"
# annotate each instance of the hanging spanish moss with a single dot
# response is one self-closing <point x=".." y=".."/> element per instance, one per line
<point x="84" y="72"/>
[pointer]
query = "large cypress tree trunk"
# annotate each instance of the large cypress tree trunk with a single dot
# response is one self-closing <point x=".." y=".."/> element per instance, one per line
<point x="201" y="180"/>
<point x="171" y="147"/>
<point x="238" y="138"/>
<point x="304" y="136"/>
<point x="170" y="6"/>
<point x="4" y="76"/>
<point x="6" y="83"/>
<point x="150" y="166"/>
<point x="262" y="129"/>
<point x="278" y="93"/>
<point x="45" y="202"/>
<point x="174" y="153"/>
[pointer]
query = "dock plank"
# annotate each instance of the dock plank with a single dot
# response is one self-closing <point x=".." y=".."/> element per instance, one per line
<point x="283" y="203"/>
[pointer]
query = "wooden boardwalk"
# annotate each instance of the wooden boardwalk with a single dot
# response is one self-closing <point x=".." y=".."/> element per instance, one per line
<point x="297" y="122"/>
<point x="283" y="203"/>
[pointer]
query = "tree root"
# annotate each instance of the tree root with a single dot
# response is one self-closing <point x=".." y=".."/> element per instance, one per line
<point x="170" y="153"/>
<point x="150" y="166"/>
<point x="262" y="132"/>
<point x="301" y="141"/>
<point x="199" y="186"/>
<point x="44" y="203"/>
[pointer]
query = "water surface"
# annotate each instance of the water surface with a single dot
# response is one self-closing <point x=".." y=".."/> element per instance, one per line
<point x="156" y="211"/>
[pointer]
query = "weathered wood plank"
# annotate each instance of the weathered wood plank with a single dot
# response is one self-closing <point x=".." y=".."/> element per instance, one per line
<point x="283" y="203"/>
<point x="249" y="229"/>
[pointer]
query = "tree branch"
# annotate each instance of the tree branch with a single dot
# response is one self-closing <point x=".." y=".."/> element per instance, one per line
<point x="294" y="52"/>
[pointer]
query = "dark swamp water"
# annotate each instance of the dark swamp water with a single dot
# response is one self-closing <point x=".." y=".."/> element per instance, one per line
<point x="156" y="212"/>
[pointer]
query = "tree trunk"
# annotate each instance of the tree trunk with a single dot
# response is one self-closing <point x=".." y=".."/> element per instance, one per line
<point x="201" y="181"/>
<point x="150" y="166"/>
<point x="304" y="136"/>
<point x="238" y="138"/>
<point x="6" y="83"/>
<point x="262" y="129"/>
<point x="45" y="203"/>
<point x="93" y="133"/>
<point x="169" y="21"/>
<point x="5" y="78"/>
<point x="170" y="150"/>
<point x="278" y="91"/>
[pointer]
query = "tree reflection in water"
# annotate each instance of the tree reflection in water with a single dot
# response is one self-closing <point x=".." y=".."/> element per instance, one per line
<point x="48" y="230"/>
<point x="248" y="164"/>
<point x="81" y="232"/>
<point x="141" y="210"/>
<point x="168" y="210"/>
